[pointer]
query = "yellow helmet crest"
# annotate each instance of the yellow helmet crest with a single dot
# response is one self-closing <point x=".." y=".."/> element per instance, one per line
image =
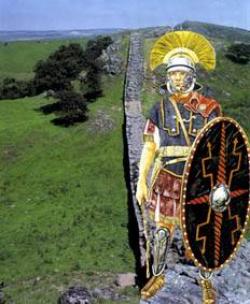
<point x="183" y="44"/>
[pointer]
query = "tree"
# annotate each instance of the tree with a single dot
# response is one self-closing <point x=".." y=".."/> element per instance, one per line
<point x="56" y="74"/>
<point x="94" y="49"/>
<point x="12" y="88"/>
<point x="59" y="69"/>
<point x="68" y="64"/>
<point x="93" y="83"/>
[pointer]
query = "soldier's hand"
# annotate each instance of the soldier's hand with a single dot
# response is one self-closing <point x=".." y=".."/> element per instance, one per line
<point x="142" y="193"/>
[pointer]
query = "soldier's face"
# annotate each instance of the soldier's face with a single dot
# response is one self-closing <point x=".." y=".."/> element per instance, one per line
<point x="178" y="80"/>
<point x="181" y="81"/>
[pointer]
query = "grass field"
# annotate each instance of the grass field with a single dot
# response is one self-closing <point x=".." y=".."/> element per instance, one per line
<point x="63" y="204"/>
<point x="63" y="192"/>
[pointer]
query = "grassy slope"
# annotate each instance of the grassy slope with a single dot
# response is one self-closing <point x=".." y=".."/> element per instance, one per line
<point x="219" y="31"/>
<point x="63" y="205"/>
<point x="230" y="84"/>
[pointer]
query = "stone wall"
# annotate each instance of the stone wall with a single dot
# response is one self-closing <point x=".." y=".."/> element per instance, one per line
<point x="134" y="121"/>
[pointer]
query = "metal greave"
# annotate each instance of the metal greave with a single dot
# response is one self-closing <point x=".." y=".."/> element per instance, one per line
<point x="160" y="247"/>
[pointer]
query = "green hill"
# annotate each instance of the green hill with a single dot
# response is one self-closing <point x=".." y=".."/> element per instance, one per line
<point x="17" y="59"/>
<point x="218" y="31"/>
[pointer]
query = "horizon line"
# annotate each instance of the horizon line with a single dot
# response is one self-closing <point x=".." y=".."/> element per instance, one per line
<point x="120" y="28"/>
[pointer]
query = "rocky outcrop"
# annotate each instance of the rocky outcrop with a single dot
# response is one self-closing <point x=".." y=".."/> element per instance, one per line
<point x="231" y="284"/>
<point x="125" y="279"/>
<point x="102" y="122"/>
<point x="75" y="295"/>
<point x="82" y="295"/>
<point x="112" y="62"/>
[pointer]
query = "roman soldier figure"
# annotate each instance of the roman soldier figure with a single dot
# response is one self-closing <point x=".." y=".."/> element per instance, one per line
<point x="172" y="126"/>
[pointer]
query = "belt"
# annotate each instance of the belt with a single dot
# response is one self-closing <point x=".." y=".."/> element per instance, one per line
<point x="173" y="151"/>
<point x="180" y="152"/>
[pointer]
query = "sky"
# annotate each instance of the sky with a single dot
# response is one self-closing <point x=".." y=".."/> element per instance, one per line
<point x="90" y="14"/>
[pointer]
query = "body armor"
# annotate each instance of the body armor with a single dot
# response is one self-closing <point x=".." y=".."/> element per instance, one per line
<point x="165" y="128"/>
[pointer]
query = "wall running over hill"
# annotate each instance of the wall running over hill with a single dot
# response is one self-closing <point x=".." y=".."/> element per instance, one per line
<point x="134" y="120"/>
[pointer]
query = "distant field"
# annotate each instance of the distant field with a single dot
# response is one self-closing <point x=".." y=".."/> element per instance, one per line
<point x="17" y="59"/>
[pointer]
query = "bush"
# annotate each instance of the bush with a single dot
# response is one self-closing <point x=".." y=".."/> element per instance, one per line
<point x="93" y="84"/>
<point x="11" y="88"/>
<point x="93" y="67"/>
<point x="71" y="107"/>
<point x="239" y="53"/>
<point x="67" y="62"/>
<point x="69" y="120"/>
<point x="55" y="75"/>
<point x="59" y="69"/>
<point x="94" y="49"/>
<point x="71" y="101"/>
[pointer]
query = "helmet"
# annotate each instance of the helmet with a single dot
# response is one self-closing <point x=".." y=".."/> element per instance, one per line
<point x="181" y="51"/>
<point x="180" y="64"/>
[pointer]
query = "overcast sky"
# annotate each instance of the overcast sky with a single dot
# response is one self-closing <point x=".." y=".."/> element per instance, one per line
<point x="86" y="14"/>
